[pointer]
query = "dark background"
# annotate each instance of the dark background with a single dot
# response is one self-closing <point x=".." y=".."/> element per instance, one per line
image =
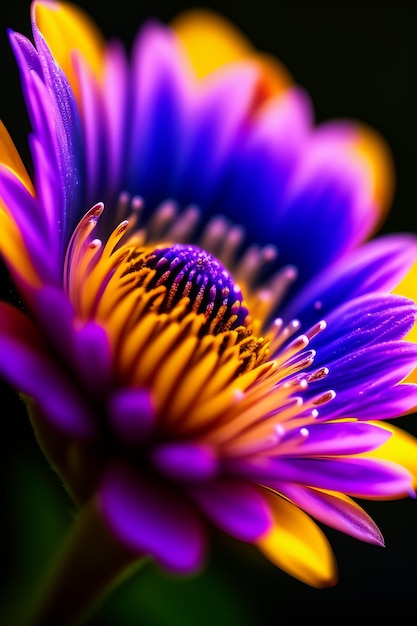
<point x="357" y="60"/>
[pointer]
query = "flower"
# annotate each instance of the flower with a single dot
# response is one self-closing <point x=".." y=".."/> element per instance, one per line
<point x="208" y="333"/>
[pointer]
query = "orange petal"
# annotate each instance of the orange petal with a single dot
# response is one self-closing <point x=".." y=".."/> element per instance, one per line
<point x="297" y="545"/>
<point x="66" y="28"/>
<point x="400" y="448"/>
<point x="372" y="150"/>
<point x="211" y="41"/>
<point x="13" y="250"/>
<point x="9" y="156"/>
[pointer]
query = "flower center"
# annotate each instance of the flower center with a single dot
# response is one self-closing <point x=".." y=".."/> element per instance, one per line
<point x="187" y="271"/>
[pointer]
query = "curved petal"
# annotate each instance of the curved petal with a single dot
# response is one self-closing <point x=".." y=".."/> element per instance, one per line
<point x="348" y="437"/>
<point x="366" y="320"/>
<point x="334" y="509"/>
<point x="24" y="224"/>
<point x="376" y="266"/>
<point x="15" y="253"/>
<point x="365" y="376"/>
<point x="56" y="141"/>
<point x="356" y="476"/>
<point x="150" y="518"/>
<point x="297" y="545"/>
<point x="10" y="157"/>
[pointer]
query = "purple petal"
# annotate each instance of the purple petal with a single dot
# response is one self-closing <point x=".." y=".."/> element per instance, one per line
<point x="159" y="96"/>
<point x="340" y="438"/>
<point x="25" y="362"/>
<point x="331" y="184"/>
<point x="132" y="415"/>
<point x="387" y="404"/>
<point x="188" y="461"/>
<point x="368" y="373"/>
<point x="366" y="478"/>
<point x="262" y="163"/>
<point x="348" y="517"/>
<point x="95" y="132"/>
<point x="152" y="519"/>
<point x="220" y="112"/>
<point x="376" y="266"/>
<point x="366" y="320"/>
<point x="116" y="81"/>
<point x="235" y="506"/>
<point x="56" y="125"/>
<point x="92" y="356"/>
<point x="55" y="315"/>
<point x="27" y="215"/>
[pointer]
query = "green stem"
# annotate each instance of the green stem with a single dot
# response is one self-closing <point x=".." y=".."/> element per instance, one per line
<point x="91" y="564"/>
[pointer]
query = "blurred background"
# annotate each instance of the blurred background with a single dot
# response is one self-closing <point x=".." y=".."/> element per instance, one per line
<point x="357" y="60"/>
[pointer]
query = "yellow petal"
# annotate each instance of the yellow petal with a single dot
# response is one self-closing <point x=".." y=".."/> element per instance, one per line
<point x="408" y="288"/>
<point x="297" y="545"/>
<point x="400" y="448"/>
<point x="9" y="156"/>
<point x="13" y="250"/>
<point x="66" y="28"/>
<point x="211" y="41"/>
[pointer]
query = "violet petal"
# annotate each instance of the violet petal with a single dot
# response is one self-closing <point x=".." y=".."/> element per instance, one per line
<point x="152" y="519"/>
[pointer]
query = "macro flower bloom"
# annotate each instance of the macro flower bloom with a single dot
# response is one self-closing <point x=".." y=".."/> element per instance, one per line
<point x="208" y="334"/>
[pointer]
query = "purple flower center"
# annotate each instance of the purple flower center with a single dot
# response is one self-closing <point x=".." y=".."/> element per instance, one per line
<point x="189" y="272"/>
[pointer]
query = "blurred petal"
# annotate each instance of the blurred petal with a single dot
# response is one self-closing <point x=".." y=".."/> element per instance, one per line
<point x="236" y="507"/>
<point x="25" y="364"/>
<point x="152" y="518"/>
<point x="212" y="42"/>
<point x="159" y="88"/>
<point x="371" y="148"/>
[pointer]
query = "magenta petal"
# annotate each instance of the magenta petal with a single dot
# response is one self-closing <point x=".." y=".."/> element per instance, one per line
<point x="341" y="438"/>
<point x="131" y="415"/>
<point x="358" y="477"/>
<point x="335" y="512"/>
<point x="235" y="506"/>
<point x="152" y="519"/>
<point x="185" y="461"/>
<point x="93" y="356"/>
<point x="58" y="325"/>
<point x="27" y="365"/>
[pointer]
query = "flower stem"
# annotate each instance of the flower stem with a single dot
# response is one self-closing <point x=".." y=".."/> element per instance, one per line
<point x="91" y="564"/>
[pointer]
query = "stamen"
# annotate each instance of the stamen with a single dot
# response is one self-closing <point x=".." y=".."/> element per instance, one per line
<point x="184" y="225"/>
<point x="161" y="220"/>
<point x="253" y="262"/>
